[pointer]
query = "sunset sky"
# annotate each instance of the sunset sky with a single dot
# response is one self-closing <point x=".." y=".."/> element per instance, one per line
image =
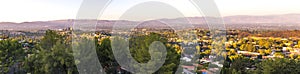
<point x="44" y="10"/>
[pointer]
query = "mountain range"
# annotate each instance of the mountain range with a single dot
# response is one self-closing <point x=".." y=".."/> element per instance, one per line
<point x="284" y="21"/>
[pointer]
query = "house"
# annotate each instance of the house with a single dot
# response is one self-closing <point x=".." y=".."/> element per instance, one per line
<point x="186" y="59"/>
<point x="188" y="69"/>
<point x="205" y="60"/>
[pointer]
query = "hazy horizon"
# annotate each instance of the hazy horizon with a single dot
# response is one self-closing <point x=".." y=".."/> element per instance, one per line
<point x="137" y="21"/>
<point x="46" y="10"/>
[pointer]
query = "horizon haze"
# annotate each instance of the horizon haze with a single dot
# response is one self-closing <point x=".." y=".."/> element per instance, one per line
<point x="269" y="22"/>
<point x="47" y="10"/>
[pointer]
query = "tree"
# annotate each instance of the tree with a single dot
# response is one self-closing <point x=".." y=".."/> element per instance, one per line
<point x="52" y="55"/>
<point x="106" y="57"/>
<point x="241" y="64"/>
<point x="50" y="39"/>
<point x="139" y="49"/>
<point x="278" y="66"/>
<point x="85" y="54"/>
<point x="249" y="47"/>
<point x="11" y="56"/>
<point x="59" y="60"/>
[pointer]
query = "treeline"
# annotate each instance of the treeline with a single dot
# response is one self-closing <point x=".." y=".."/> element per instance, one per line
<point x="53" y="54"/>
<point x="283" y="34"/>
<point x="244" y="65"/>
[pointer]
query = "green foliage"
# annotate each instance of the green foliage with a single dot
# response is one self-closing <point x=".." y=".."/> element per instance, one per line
<point x="241" y="64"/>
<point x="279" y="66"/>
<point x="50" y="39"/>
<point x="59" y="60"/>
<point x="139" y="47"/>
<point x="11" y="55"/>
<point x="53" y="55"/>
<point x="85" y="55"/>
<point x="106" y="57"/>
<point x="267" y="66"/>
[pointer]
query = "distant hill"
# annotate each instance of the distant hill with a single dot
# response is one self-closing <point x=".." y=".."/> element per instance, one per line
<point x="286" y="21"/>
<point x="245" y="19"/>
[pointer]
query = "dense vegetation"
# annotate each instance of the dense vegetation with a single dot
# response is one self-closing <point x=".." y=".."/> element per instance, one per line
<point x="269" y="66"/>
<point x="53" y="55"/>
<point x="285" y="34"/>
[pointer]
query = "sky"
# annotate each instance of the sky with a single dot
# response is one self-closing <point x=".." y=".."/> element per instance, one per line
<point x="45" y="10"/>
